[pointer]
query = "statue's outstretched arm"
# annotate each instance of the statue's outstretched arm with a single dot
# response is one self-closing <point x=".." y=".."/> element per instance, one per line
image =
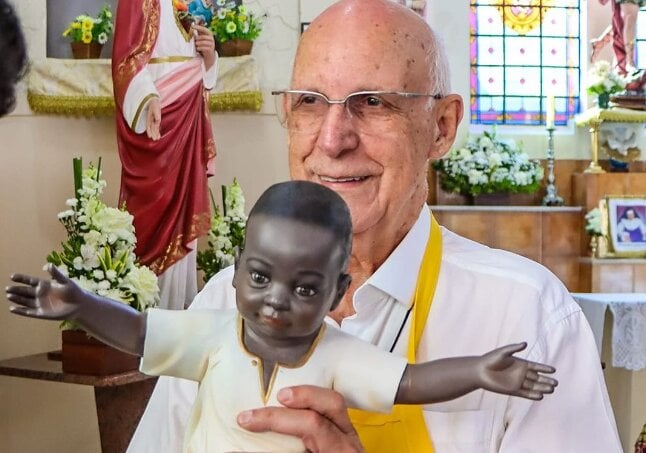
<point x="61" y="298"/>
<point x="498" y="371"/>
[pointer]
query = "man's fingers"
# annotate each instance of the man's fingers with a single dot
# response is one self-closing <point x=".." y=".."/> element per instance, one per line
<point x="324" y="401"/>
<point x="318" y="433"/>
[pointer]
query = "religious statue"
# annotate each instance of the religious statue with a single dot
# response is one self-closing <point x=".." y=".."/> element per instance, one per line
<point x="161" y="73"/>
<point x="289" y="275"/>
<point x="621" y="33"/>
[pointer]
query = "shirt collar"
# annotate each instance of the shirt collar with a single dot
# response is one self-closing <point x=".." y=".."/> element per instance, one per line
<point x="397" y="276"/>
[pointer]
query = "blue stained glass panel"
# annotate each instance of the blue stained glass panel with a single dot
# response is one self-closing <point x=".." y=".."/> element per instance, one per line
<point x="516" y="62"/>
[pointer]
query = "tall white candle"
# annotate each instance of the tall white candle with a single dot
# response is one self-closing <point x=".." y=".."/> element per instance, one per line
<point x="549" y="112"/>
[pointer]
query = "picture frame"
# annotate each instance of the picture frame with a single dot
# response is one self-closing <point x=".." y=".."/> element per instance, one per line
<point x="624" y="221"/>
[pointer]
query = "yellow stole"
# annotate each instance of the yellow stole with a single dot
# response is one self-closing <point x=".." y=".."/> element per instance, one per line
<point x="404" y="429"/>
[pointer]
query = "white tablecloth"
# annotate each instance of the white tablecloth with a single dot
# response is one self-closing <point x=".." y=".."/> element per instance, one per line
<point x="628" y="327"/>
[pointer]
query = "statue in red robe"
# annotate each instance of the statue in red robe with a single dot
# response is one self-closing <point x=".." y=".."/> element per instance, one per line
<point x="162" y="73"/>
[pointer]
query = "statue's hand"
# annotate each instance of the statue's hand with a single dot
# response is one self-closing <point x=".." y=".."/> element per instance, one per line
<point x="205" y="45"/>
<point x="153" y="119"/>
<point x="59" y="298"/>
<point x="501" y="372"/>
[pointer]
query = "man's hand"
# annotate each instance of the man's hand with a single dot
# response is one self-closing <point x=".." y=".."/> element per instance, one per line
<point x="316" y="415"/>
<point x="45" y="299"/>
<point x="205" y="45"/>
<point x="153" y="119"/>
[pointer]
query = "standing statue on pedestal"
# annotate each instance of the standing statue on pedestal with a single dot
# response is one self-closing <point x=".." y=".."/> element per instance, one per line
<point x="621" y="33"/>
<point x="161" y="71"/>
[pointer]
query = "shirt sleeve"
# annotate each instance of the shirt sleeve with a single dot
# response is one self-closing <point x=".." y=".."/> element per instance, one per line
<point x="178" y="343"/>
<point x="578" y="416"/>
<point x="365" y="375"/>
<point x="211" y="76"/>
<point x="135" y="104"/>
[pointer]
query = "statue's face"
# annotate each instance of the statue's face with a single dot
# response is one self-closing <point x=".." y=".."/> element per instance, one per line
<point x="287" y="278"/>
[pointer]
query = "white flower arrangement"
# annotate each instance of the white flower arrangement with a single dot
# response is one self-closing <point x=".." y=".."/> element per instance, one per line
<point x="593" y="222"/>
<point x="488" y="165"/>
<point x="602" y="80"/>
<point x="226" y="234"/>
<point x="99" y="251"/>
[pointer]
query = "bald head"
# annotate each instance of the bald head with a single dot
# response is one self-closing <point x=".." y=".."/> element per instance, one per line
<point x="390" y="35"/>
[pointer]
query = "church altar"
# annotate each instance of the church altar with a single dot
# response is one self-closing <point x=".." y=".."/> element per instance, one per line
<point x="84" y="87"/>
<point x="597" y="119"/>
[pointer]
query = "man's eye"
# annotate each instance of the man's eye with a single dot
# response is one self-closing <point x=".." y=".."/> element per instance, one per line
<point x="373" y="101"/>
<point x="257" y="277"/>
<point x="305" y="291"/>
<point x="308" y="99"/>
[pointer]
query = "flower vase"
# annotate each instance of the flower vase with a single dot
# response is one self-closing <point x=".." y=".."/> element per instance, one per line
<point x="234" y="47"/>
<point x="603" y="100"/>
<point x="82" y="354"/>
<point x="83" y="51"/>
<point x="501" y="199"/>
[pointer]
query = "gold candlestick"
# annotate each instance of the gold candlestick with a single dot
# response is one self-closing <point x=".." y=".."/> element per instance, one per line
<point x="594" y="166"/>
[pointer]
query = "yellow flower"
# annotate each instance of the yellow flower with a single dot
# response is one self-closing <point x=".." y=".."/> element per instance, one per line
<point x="76" y="25"/>
<point x="242" y="18"/>
<point x="87" y="24"/>
<point x="87" y="37"/>
<point x="68" y="31"/>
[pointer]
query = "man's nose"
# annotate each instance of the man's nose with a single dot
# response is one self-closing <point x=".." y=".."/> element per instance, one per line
<point x="338" y="133"/>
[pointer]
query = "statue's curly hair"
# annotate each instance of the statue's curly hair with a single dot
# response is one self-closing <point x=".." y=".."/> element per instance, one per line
<point x="13" y="56"/>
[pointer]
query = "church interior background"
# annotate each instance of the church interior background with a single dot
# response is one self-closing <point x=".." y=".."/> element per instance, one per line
<point x="510" y="72"/>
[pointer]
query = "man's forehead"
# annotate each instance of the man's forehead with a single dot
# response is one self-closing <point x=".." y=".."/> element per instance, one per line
<point x="361" y="62"/>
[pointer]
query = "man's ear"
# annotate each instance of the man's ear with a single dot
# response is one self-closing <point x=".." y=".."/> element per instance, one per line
<point x="449" y="111"/>
<point x="342" y="287"/>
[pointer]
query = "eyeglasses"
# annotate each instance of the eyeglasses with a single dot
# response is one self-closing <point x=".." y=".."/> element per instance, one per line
<point x="370" y="111"/>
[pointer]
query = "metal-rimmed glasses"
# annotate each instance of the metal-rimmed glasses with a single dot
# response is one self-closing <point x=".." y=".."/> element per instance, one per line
<point x="370" y="111"/>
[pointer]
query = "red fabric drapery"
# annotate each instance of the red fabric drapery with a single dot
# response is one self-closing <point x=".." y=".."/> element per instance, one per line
<point x="164" y="182"/>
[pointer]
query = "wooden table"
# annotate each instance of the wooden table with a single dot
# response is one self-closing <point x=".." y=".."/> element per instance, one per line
<point x="120" y="398"/>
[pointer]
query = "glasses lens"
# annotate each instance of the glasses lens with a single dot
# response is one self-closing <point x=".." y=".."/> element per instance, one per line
<point x="302" y="111"/>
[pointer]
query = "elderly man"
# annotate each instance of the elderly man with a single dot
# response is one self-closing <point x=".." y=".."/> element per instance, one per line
<point x="368" y="109"/>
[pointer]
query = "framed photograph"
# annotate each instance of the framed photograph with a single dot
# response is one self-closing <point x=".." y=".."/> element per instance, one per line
<point x="626" y="225"/>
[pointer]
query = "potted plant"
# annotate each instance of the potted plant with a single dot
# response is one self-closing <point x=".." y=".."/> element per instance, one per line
<point x="226" y="234"/>
<point x="234" y="29"/>
<point x="602" y="81"/>
<point x="487" y="165"/>
<point x="89" y="34"/>
<point x="98" y="254"/>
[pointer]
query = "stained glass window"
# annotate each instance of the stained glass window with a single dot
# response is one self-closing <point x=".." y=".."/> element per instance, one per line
<point x="640" y="39"/>
<point x="521" y="51"/>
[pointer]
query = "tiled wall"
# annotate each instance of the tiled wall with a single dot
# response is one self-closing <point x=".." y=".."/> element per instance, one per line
<point x="548" y="237"/>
